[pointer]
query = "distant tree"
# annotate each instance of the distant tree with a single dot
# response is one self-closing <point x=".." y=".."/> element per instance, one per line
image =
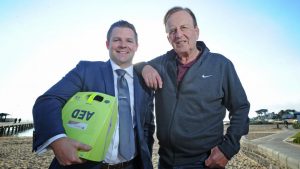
<point x="281" y="112"/>
<point x="261" y="111"/>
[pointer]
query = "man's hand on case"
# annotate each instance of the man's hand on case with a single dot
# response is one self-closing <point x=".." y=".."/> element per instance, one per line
<point x="65" y="150"/>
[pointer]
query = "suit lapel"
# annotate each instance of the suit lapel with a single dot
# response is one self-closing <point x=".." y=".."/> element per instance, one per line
<point x="137" y="98"/>
<point x="108" y="78"/>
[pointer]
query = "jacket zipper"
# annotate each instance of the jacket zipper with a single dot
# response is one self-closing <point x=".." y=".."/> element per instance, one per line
<point x="172" y="120"/>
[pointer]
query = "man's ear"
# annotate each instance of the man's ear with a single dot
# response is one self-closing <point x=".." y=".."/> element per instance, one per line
<point x="198" y="31"/>
<point x="168" y="39"/>
<point x="107" y="44"/>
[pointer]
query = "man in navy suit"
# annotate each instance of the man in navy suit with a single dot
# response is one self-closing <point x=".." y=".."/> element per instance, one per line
<point x="122" y="43"/>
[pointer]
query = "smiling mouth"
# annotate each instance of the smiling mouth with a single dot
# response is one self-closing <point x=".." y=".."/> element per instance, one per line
<point x="122" y="52"/>
<point x="180" y="42"/>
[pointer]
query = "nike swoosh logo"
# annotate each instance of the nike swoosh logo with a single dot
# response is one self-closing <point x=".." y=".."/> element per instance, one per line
<point x="206" y="76"/>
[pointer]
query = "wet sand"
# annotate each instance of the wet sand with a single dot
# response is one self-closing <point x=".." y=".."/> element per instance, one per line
<point x="16" y="152"/>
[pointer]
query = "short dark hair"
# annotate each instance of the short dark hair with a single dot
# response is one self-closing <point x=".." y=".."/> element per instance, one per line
<point x="176" y="9"/>
<point x="121" y="24"/>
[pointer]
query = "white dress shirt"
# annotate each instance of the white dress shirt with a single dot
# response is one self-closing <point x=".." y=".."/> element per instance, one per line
<point x="112" y="155"/>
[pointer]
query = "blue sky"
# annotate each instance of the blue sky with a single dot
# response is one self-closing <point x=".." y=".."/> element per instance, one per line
<point x="40" y="41"/>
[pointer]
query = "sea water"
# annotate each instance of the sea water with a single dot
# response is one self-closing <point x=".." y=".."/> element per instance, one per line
<point x="26" y="133"/>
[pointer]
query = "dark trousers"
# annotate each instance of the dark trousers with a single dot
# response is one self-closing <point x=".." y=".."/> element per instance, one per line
<point x="88" y="165"/>
<point x="127" y="167"/>
<point x="196" y="165"/>
<point x="200" y="164"/>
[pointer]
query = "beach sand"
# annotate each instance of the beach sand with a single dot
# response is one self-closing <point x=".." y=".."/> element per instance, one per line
<point x="16" y="152"/>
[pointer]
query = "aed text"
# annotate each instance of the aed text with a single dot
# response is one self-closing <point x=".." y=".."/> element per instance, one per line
<point x="82" y="114"/>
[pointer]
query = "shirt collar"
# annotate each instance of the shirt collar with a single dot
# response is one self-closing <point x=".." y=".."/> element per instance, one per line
<point x="129" y="70"/>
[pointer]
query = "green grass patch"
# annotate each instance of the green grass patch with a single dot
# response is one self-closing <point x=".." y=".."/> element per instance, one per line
<point x="296" y="135"/>
<point x="296" y="138"/>
<point x="296" y="125"/>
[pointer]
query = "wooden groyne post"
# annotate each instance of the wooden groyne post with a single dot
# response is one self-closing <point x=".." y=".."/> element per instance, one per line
<point x="7" y="129"/>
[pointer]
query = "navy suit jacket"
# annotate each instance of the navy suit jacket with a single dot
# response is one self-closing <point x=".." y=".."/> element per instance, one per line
<point x="94" y="77"/>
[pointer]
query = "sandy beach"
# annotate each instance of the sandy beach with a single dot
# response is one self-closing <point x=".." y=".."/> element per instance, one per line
<point x="16" y="152"/>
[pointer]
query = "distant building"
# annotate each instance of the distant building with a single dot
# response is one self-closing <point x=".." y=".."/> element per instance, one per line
<point x="297" y="114"/>
<point x="271" y="115"/>
<point x="290" y="116"/>
<point x="3" y="117"/>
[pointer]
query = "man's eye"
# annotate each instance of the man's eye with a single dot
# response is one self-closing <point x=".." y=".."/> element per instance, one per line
<point x="172" y="31"/>
<point x="184" y="28"/>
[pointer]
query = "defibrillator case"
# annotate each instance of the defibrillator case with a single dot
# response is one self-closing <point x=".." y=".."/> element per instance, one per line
<point x="90" y="118"/>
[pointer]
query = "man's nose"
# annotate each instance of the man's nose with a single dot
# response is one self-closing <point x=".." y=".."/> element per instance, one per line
<point x="123" y="44"/>
<point x="178" y="33"/>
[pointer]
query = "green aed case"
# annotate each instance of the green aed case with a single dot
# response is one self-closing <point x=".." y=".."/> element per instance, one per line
<point x="90" y="118"/>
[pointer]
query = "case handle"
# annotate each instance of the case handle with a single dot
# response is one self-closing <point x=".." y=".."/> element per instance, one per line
<point x="95" y="96"/>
